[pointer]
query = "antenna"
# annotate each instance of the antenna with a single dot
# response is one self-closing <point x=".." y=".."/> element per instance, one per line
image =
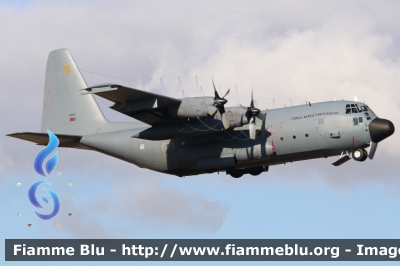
<point x="197" y="85"/>
<point x="237" y="95"/>
<point x="162" y="85"/>
<point x="180" y="86"/>
<point x="290" y="101"/>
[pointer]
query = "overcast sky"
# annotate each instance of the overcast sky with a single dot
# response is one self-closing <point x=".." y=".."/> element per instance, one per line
<point x="287" y="51"/>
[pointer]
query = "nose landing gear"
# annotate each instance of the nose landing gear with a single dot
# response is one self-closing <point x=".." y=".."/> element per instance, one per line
<point x="360" y="155"/>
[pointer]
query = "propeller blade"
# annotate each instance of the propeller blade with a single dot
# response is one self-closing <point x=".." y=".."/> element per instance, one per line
<point x="215" y="91"/>
<point x="219" y="104"/>
<point x="252" y="101"/>
<point x="225" y="121"/>
<point x="251" y="114"/>
<point x="261" y="116"/>
<point x="372" y="150"/>
<point x="215" y="110"/>
<point x="227" y="92"/>
<point x="252" y="130"/>
<point x="221" y="109"/>
<point x="244" y="108"/>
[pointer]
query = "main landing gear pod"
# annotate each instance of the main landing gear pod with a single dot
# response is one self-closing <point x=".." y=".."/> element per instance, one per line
<point x="253" y="171"/>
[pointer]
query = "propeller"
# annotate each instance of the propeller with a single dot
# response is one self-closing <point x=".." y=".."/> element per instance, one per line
<point x="372" y="150"/>
<point x="251" y="114"/>
<point x="219" y="103"/>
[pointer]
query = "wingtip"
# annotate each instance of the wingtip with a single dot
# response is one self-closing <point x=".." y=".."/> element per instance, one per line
<point x="12" y="134"/>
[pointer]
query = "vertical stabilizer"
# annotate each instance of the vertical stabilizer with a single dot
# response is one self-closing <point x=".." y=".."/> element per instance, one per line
<point x="65" y="110"/>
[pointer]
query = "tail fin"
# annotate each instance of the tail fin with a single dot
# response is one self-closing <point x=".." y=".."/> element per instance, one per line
<point x="65" y="110"/>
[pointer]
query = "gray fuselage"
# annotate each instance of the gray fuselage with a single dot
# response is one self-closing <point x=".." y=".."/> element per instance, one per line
<point x="290" y="134"/>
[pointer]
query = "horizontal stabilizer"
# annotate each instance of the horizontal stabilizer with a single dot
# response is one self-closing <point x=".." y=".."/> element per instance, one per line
<point x="67" y="141"/>
<point x="341" y="160"/>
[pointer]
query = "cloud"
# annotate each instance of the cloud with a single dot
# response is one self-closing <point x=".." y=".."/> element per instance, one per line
<point x="284" y="50"/>
<point x="161" y="207"/>
<point x="341" y="57"/>
<point x="6" y="163"/>
<point x="144" y="207"/>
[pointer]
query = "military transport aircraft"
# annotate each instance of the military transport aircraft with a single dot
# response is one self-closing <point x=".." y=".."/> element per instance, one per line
<point x="198" y="135"/>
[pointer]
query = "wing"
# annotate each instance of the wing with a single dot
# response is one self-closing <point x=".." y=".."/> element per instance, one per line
<point x="147" y="107"/>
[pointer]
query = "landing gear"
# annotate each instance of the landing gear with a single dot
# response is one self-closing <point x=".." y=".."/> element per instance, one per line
<point x="255" y="171"/>
<point x="236" y="175"/>
<point x="360" y="155"/>
<point x="365" y="155"/>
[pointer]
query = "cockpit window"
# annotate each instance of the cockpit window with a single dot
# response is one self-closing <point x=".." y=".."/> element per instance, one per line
<point x="355" y="109"/>
<point x="355" y="121"/>
<point x="360" y="120"/>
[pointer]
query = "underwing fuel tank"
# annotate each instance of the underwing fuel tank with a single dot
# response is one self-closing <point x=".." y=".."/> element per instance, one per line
<point x="189" y="128"/>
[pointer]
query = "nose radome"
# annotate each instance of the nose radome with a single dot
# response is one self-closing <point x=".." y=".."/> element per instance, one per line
<point x="380" y="129"/>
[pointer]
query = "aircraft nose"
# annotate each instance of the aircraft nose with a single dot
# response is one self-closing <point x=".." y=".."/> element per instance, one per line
<point x="380" y="129"/>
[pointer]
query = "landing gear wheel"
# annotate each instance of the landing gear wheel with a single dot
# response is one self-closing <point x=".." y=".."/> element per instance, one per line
<point x="359" y="155"/>
<point x="255" y="171"/>
<point x="236" y="175"/>
<point x="365" y="155"/>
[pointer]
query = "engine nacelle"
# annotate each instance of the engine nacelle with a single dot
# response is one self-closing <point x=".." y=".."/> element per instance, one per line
<point x="194" y="107"/>
<point x="200" y="107"/>
<point x="236" y="116"/>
